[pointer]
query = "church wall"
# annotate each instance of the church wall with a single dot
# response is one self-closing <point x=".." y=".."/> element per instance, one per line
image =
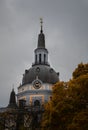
<point x="30" y="94"/>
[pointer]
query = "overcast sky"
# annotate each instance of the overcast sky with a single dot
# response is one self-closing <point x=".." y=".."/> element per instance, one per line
<point x="65" y="28"/>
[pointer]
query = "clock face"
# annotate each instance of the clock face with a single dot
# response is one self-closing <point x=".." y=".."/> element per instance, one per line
<point x="37" y="84"/>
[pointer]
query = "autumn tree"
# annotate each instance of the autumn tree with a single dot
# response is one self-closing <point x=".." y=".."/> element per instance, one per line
<point x="78" y="92"/>
<point x="57" y="110"/>
<point x="68" y="108"/>
<point x="82" y="69"/>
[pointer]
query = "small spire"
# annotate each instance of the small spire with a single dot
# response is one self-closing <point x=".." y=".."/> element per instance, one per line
<point x="41" y="22"/>
<point x="41" y="37"/>
<point x="12" y="100"/>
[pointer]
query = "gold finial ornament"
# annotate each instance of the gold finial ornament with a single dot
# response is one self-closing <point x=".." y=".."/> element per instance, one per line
<point x="41" y="22"/>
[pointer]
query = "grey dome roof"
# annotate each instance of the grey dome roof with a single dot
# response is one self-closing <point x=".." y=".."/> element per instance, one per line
<point x="45" y="73"/>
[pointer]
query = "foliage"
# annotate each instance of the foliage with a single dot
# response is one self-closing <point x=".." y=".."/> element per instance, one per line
<point x="68" y="108"/>
<point x="82" y="69"/>
<point x="80" y="121"/>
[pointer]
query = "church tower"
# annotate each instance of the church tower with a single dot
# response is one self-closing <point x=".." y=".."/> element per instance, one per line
<point x="41" y="53"/>
<point x="37" y="82"/>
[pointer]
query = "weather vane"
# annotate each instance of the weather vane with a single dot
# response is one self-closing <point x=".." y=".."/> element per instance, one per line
<point x="41" y="21"/>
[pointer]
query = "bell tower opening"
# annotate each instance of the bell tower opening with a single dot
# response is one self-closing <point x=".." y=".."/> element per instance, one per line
<point x="35" y="58"/>
<point x="40" y="58"/>
<point x="44" y="58"/>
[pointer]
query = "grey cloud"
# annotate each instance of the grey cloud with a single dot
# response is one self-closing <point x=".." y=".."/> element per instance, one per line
<point x="66" y="32"/>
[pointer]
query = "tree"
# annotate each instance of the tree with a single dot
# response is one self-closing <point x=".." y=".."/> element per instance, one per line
<point x="57" y="110"/>
<point x="68" y="108"/>
<point x="82" y="69"/>
<point x="80" y="121"/>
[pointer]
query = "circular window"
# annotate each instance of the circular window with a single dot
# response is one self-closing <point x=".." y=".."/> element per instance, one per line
<point x="37" y="69"/>
<point x="51" y="70"/>
<point x="37" y="84"/>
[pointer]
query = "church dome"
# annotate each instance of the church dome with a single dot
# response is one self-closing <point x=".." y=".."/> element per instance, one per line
<point x="38" y="80"/>
<point x="40" y="68"/>
<point x="44" y="73"/>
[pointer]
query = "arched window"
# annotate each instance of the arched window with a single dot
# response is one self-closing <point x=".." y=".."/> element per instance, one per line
<point x="36" y="103"/>
<point x="40" y="58"/>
